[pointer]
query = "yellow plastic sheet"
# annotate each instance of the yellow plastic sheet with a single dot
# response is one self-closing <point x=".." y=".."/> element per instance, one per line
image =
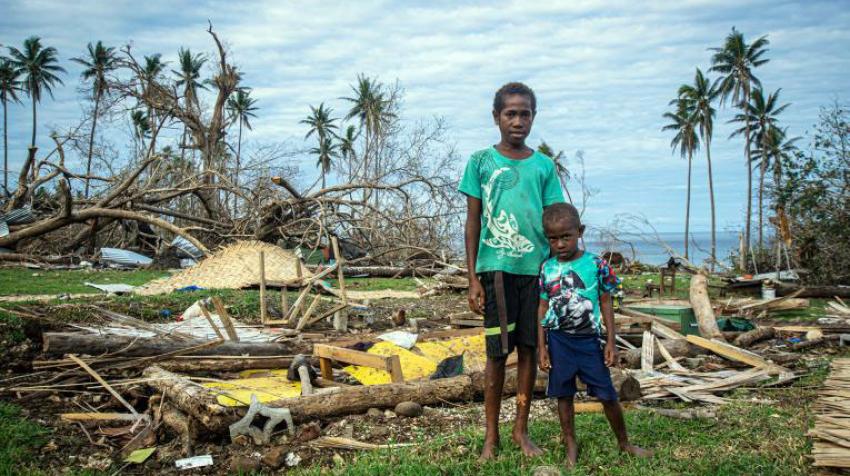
<point x="268" y="385"/>
<point x="421" y="361"/>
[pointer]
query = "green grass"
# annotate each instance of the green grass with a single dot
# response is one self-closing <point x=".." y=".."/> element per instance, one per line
<point x="745" y="439"/>
<point x="19" y="439"/>
<point x="19" y="281"/>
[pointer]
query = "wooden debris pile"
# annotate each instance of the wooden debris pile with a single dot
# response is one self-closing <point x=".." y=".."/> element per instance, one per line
<point x="831" y="432"/>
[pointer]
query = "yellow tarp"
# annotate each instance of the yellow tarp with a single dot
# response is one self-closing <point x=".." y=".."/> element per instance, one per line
<point x="421" y="361"/>
<point x="268" y="385"/>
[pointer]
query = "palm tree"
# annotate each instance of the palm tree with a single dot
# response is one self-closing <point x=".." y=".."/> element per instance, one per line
<point x="241" y="107"/>
<point x="763" y="114"/>
<point x="326" y="151"/>
<point x="774" y="150"/>
<point x="151" y="72"/>
<point x="323" y="125"/>
<point x="100" y="61"/>
<point x="735" y="61"/>
<point x="187" y="77"/>
<point x="346" y="147"/>
<point x="38" y="66"/>
<point x="700" y="95"/>
<point x="373" y="108"/>
<point x="683" y="122"/>
<point x="9" y="87"/>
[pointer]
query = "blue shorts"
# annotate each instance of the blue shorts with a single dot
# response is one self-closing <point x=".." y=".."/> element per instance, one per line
<point x="582" y="356"/>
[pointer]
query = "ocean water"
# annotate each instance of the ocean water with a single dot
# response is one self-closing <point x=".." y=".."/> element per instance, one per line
<point x="650" y="250"/>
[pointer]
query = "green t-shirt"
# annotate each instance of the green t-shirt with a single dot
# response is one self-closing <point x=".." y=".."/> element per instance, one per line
<point x="513" y="194"/>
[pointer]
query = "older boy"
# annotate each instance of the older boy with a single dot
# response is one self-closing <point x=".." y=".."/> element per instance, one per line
<point x="507" y="186"/>
<point x="574" y="287"/>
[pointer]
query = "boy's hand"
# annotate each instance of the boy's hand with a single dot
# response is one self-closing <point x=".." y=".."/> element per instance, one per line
<point x="476" y="296"/>
<point x="611" y="355"/>
<point x="543" y="359"/>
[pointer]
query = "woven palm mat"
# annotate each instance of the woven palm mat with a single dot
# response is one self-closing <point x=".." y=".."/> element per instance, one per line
<point x="233" y="267"/>
<point x="832" y="423"/>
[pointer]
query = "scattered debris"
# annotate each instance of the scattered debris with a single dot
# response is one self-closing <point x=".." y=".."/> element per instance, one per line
<point x="832" y="423"/>
<point x="194" y="462"/>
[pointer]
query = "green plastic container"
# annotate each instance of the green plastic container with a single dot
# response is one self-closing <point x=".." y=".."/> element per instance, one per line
<point x="684" y="315"/>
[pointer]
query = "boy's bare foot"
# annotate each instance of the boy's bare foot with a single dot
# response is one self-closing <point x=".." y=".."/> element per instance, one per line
<point x="572" y="456"/>
<point x="637" y="451"/>
<point x="526" y="445"/>
<point x="489" y="451"/>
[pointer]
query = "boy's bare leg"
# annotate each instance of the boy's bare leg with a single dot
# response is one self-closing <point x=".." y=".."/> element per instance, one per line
<point x="614" y="413"/>
<point x="567" y="415"/>
<point x="526" y="374"/>
<point x="494" y="382"/>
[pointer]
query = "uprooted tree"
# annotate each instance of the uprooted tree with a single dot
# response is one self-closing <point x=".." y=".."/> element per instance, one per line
<point x="392" y="200"/>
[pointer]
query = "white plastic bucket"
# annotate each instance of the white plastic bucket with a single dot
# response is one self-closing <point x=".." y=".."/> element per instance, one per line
<point x="768" y="292"/>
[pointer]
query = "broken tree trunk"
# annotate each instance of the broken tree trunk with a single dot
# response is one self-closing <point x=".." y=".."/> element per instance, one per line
<point x="675" y="347"/>
<point x="702" y="308"/>
<point x="92" y="344"/>
<point x="751" y="337"/>
<point x="224" y="363"/>
<point x="191" y="398"/>
<point x="627" y="387"/>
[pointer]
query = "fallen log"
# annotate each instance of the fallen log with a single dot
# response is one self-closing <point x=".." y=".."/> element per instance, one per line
<point x="675" y="347"/>
<point x="200" y="402"/>
<point x="703" y="310"/>
<point x="826" y="292"/>
<point x="751" y="337"/>
<point x="57" y="343"/>
<point x="191" y="399"/>
<point x="224" y="363"/>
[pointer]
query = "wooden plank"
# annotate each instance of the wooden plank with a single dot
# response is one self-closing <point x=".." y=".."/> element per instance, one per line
<point x="339" y="271"/>
<point x="306" y="317"/>
<point x="647" y="352"/>
<point x="97" y="417"/>
<point x="394" y="368"/>
<point x="206" y="313"/>
<point x="350" y="356"/>
<point x="299" y="303"/>
<point x="460" y="322"/>
<point x="731" y="352"/>
<point x="105" y="385"/>
<point x="671" y="362"/>
<point x="284" y="302"/>
<point x="664" y="331"/>
<point x="325" y="365"/>
<point x="225" y="319"/>
<point x="263" y="309"/>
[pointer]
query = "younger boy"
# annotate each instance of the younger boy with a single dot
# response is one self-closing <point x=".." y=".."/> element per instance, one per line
<point x="507" y="186"/>
<point x="574" y="286"/>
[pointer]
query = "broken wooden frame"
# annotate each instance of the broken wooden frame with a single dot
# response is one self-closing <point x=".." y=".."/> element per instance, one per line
<point x="327" y="354"/>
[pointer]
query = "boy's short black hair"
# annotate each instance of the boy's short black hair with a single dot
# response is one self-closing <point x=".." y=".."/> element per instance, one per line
<point x="514" y="88"/>
<point x="561" y="211"/>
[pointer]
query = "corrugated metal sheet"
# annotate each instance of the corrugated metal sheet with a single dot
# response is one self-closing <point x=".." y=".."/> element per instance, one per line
<point x="18" y="216"/>
<point x="123" y="257"/>
<point x="4" y="228"/>
<point x="188" y="249"/>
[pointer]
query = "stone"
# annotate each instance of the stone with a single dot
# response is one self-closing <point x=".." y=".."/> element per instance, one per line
<point x="409" y="409"/>
<point x="379" y="432"/>
<point x="309" y="432"/>
<point x="374" y="413"/>
<point x="389" y="414"/>
<point x="244" y="464"/>
<point x="546" y="470"/>
<point x="275" y="457"/>
<point x="292" y="459"/>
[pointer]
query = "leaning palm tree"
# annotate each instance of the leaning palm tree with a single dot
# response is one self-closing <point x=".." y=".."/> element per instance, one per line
<point x="187" y="77"/>
<point x="763" y="114"/>
<point x="40" y="72"/>
<point x="100" y="61"/>
<point x="700" y="95"/>
<point x="325" y="152"/>
<point x="735" y="61"/>
<point x="241" y="107"/>
<point x="683" y="123"/>
<point x="9" y="87"/>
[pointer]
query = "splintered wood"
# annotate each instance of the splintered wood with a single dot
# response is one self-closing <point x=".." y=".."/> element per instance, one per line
<point x="832" y="423"/>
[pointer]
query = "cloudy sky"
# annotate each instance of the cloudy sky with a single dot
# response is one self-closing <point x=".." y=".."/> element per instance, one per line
<point x="603" y="71"/>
